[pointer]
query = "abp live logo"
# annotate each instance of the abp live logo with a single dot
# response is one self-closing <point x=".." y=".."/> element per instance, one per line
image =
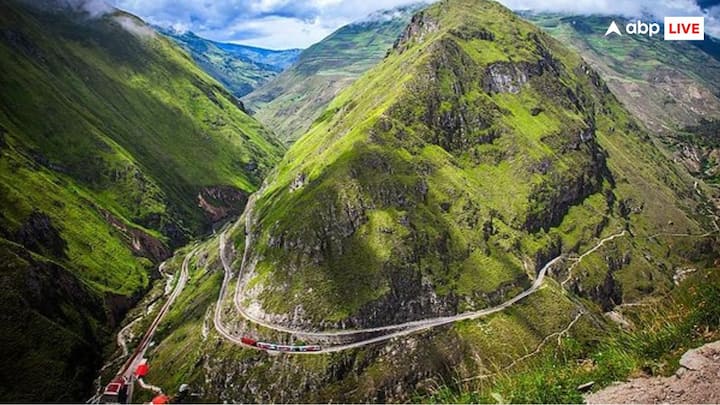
<point x="676" y="28"/>
<point x="684" y="28"/>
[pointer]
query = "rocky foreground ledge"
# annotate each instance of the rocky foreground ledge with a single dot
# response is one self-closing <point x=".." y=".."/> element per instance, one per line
<point x="697" y="381"/>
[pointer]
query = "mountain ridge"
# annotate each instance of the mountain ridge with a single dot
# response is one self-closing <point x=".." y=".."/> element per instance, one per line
<point x="671" y="86"/>
<point x="449" y="122"/>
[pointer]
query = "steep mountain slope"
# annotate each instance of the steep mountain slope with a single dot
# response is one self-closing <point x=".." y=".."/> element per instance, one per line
<point x="114" y="149"/>
<point x="672" y="86"/>
<point x="293" y="100"/>
<point x="441" y="182"/>
<point x="241" y="69"/>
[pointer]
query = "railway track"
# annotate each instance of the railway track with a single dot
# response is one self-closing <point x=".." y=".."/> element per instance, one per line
<point x="139" y="353"/>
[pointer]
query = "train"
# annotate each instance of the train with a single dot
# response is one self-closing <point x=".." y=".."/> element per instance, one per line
<point x="280" y="348"/>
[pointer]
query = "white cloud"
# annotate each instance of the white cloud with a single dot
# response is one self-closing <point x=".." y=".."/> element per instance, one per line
<point x="95" y="8"/>
<point x="277" y="32"/>
<point x="134" y="27"/>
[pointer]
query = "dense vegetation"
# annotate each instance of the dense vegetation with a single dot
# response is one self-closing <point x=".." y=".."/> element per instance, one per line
<point x="667" y="84"/>
<point x="439" y="182"/>
<point x="475" y="152"/>
<point x="109" y="135"/>
<point x="661" y="332"/>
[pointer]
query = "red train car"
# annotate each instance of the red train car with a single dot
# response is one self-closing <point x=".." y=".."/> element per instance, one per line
<point x="248" y="341"/>
<point x="280" y="348"/>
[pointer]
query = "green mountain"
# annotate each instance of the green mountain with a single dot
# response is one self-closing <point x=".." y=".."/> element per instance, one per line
<point x="466" y="149"/>
<point x="241" y="69"/>
<point x="294" y="99"/>
<point x="673" y="87"/>
<point x="478" y="152"/>
<point x="115" y="148"/>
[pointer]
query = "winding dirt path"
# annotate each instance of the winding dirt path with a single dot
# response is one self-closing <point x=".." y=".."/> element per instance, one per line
<point x="537" y="350"/>
<point x="407" y="328"/>
<point x="589" y="252"/>
<point x="394" y="331"/>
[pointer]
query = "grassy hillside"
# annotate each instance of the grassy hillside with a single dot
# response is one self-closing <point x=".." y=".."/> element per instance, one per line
<point x="440" y="182"/>
<point x="241" y="69"/>
<point x="671" y="86"/>
<point x="111" y="140"/>
<point x="465" y="159"/>
<point x="294" y="99"/>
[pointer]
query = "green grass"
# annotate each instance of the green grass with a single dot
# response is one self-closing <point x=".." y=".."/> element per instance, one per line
<point x="144" y="150"/>
<point x="52" y="327"/>
<point x="239" y="69"/>
<point x="670" y="86"/>
<point x="393" y="191"/>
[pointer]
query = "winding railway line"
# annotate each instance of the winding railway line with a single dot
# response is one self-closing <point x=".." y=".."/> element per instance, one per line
<point x="394" y="331"/>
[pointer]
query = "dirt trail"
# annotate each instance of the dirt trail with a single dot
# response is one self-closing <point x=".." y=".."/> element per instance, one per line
<point x="696" y="382"/>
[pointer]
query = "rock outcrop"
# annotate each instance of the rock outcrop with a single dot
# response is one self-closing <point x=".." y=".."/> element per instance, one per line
<point x="40" y="235"/>
<point x="142" y="243"/>
<point x="695" y="382"/>
<point x="221" y="202"/>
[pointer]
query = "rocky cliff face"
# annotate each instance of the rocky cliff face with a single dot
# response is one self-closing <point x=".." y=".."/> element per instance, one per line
<point x="40" y="235"/>
<point x="221" y="202"/>
<point x="142" y="243"/>
<point x="672" y="87"/>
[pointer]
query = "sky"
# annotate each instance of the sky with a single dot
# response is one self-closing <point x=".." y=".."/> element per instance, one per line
<point x="283" y="24"/>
